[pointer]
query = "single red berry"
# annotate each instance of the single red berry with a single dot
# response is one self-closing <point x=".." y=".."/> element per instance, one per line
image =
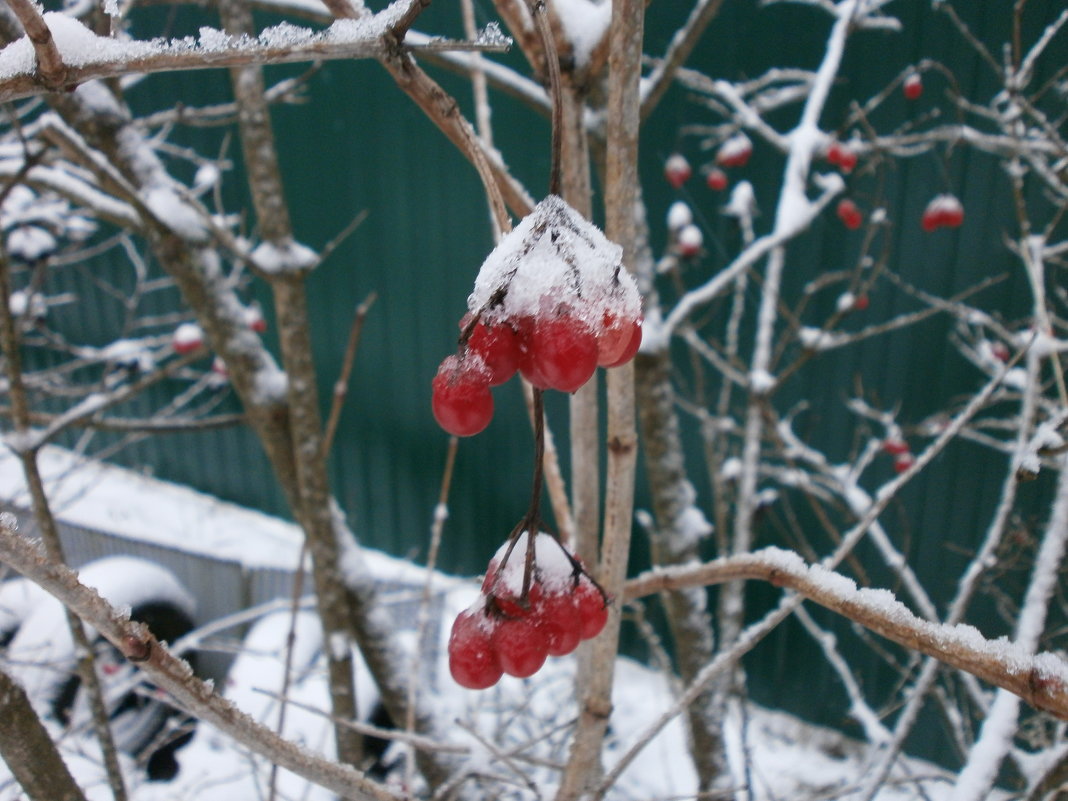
<point x="499" y="349"/>
<point x="903" y="462"/>
<point x="716" y="179"/>
<point x="735" y="151"/>
<point x="895" y="446"/>
<point x="592" y="609"/>
<point x="633" y="344"/>
<point x="913" y="86"/>
<point x="187" y="338"/>
<point x="520" y="645"/>
<point x="461" y="398"/>
<point x="834" y="153"/>
<point x="847" y="160"/>
<point x="861" y="303"/>
<point x="849" y="214"/>
<point x="473" y="661"/>
<point x="1000" y="351"/>
<point x="558" y="618"/>
<point x="689" y="241"/>
<point x="677" y="170"/>
<point x="254" y="318"/>
<point x="560" y="353"/>
<point x="942" y="211"/>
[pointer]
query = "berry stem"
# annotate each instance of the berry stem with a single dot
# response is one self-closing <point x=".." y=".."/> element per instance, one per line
<point x="552" y="66"/>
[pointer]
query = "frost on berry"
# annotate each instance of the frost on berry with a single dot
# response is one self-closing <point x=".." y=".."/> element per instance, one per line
<point x="943" y="211"/>
<point x="536" y="601"/>
<point x="677" y="170"/>
<point x="913" y="86"/>
<point x="689" y="241"/>
<point x="461" y="397"/>
<point x="735" y="151"/>
<point x="187" y="338"/>
<point x="555" y="280"/>
<point x="498" y="346"/>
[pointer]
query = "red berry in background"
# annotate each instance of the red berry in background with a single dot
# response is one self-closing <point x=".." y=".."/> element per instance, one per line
<point x="895" y="446"/>
<point x="913" y="86"/>
<point x="520" y="645"/>
<point x="849" y="214"/>
<point x="187" y="338"/>
<point x="254" y="318"/>
<point x="473" y="661"/>
<point x="903" y="462"/>
<point x="716" y="179"/>
<point x="633" y="345"/>
<point x="735" y="151"/>
<point x="592" y="609"/>
<point x="677" y="170"/>
<point x="1000" y="351"/>
<point x="560" y="353"/>
<point x="461" y="397"/>
<point x="943" y="210"/>
<point x="861" y="303"/>
<point x="842" y="156"/>
<point x="499" y="349"/>
<point x="689" y="241"/>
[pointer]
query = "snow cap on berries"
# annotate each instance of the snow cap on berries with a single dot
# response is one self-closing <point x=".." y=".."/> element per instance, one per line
<point x="554" y="256"/>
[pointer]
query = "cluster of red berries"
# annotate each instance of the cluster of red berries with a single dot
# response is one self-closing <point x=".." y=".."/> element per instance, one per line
<point x="849" y="214"/>
<point x="899" y="449"/>
<point x="551" y="302"/>
<point x="509" y="631"/>
<point x="943" y="211"/>
<point x="733" y="152"/>
<point x="842" y="156"/>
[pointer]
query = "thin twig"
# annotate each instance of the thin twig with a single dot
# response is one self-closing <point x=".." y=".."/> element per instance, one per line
<point x="341" y="386"/>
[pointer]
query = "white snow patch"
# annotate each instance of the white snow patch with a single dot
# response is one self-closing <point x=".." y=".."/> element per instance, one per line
<point x="289" y="256"/>
<point x="585" y="25"/>
<point x="555" y="255"/>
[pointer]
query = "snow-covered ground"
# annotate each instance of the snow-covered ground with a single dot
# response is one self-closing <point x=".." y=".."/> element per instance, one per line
<point x="516" y="731"/>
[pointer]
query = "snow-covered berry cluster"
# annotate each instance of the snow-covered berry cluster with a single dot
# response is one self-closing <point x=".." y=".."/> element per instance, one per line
<point x="943" y="211"/>
<point x="511" y="629"/>
<point x="552" y="302"/>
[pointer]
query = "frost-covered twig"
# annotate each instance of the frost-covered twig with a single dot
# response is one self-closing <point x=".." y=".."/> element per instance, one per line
<point x="175" y="676"/>
<point x="1040" y="680"/>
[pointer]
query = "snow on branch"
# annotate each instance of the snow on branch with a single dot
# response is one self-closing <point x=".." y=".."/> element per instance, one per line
<point x="1039" y="679"/>
<point x="84" y="56"/>
<point x="174" y="675"/>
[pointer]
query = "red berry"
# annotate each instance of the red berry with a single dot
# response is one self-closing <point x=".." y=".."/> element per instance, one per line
<point x="558" y="618"/>
<point x="592" y="609"/>
<point x="499" y="349"/>
<point x="187" y="338"/>
<point x="520" y="645"/>
<point x="735" y="152"/>
<point x="849" y="214"/>
<point x="689" y="241"/>
<point x="677" y="170"/>
<point x="1000" y="351"/>
<point x="861" y="303"/>
<point x="895" y="446"/>
<point x="903" y="462"/>
<point x="942" y="210"/>
<point x="612" y="338"/>
<point x="560" y="353"/>
<point x="716" y="179"/>
<point x="254" y="318"/>
<point x="461" y="397"/>
<point x="632" y="346"/>
<point x="473" y="661"/>
<point x="913" y="86"/>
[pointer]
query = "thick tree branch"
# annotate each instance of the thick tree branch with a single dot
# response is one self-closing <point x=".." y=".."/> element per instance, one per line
<point x="1041" y="680"/>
